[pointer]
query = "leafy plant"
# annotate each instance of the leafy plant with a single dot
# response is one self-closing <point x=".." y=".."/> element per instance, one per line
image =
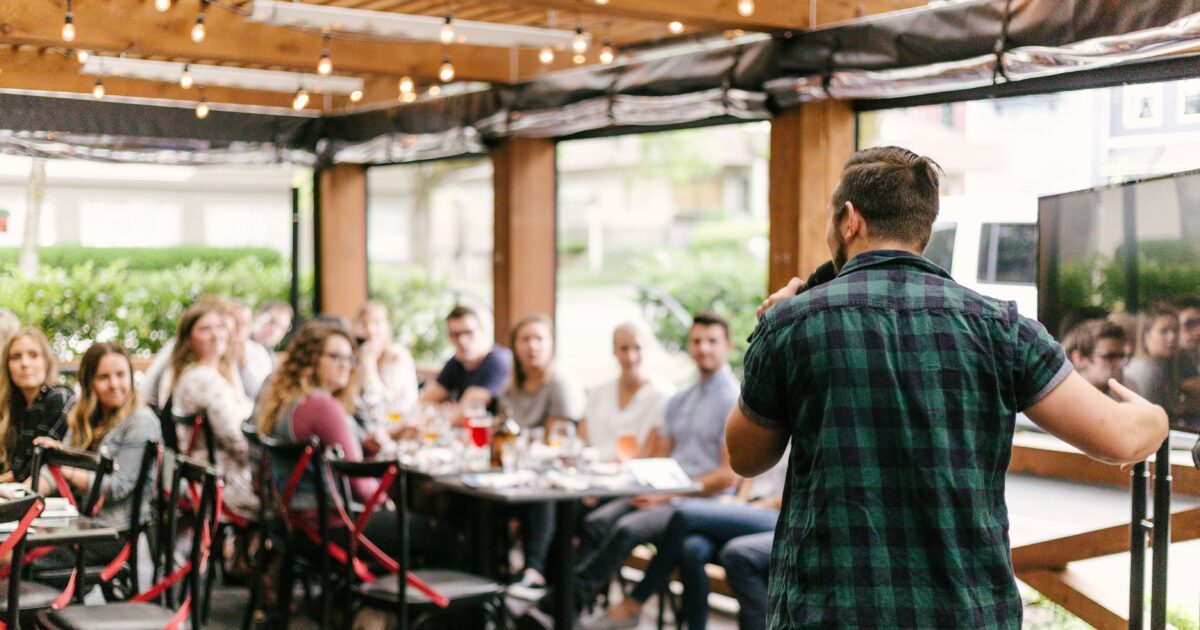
<point x="143" y="258"/>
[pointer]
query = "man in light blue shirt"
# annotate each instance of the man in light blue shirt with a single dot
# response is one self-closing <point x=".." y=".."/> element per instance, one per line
<point x="693" y="433"/>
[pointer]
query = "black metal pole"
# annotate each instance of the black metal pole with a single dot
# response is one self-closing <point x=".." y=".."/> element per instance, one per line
<point x="1137" y="547"/>
<point x="1162" y="536"/>
<point x="294" y="290"/>
<point x="318" y="295"/>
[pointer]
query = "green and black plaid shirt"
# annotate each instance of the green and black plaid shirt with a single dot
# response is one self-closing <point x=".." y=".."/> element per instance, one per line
<point x="899" y="388"/>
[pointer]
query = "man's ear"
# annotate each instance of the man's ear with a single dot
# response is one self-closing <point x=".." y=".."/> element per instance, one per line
<point x="852" y="223"/>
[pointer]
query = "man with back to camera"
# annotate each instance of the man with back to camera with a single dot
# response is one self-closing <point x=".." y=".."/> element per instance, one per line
<point x="897" y="388"/>
<point x="1096" y="347"/>
<point x="477" y="372"/>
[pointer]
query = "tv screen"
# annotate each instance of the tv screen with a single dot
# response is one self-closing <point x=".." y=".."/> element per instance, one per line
<point x="1127" y="256"/>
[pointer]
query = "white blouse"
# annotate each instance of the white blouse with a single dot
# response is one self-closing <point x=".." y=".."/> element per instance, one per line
<point x="606" y="419"/>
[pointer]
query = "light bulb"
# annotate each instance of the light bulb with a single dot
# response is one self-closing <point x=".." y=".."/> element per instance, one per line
<point x="435" y="89"/>
<point x="408" y="97"/>
<point x="325" y="65"/>
<point x="579" y="42"/>
<point x="446" y="72"/>
<point x="198" y="31"/>
<point x="578" y="58"/>
<point x="81" y="56"/>
<point x="601" y="2"/>
<point x="98" y="89"/>
<point x="446" y="34"/>
<point x="607" y="54"/>
<point x="356" y="96"/>
<point x="406" y="84"/>
<point x="546" y="55"/>
<point x="68" y="29"/>
<point x="202" y="109"/>
<point x="301" y="99"/>
<point x="676" y="27"/>
<point x="185" y="79"/>
<point x="162" y="5"/>
<point x="745" y="8"/>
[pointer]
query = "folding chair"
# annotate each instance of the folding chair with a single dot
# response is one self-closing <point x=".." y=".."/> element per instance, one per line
<point x="22" y="512"/>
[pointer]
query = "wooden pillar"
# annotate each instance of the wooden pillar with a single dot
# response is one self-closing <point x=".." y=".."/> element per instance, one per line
<point x="809" y="146"/>
<point x="341" y="239"/>
<point x="524" y="255"/>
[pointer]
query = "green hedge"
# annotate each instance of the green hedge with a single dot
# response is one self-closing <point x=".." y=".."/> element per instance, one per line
<point x="143" y="258"/>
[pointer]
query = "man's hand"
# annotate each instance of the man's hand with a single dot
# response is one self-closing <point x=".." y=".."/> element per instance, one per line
<point x="794" y="286"/>
<point x="46" y="442"/>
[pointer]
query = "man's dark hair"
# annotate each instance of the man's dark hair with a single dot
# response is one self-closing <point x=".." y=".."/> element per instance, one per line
<point x="894" y="189"/>
<point x="711" y="318"/>
<point x="462" y="312"/>
<point x="1085" y="335"/>
<point x="1187" y="301"/>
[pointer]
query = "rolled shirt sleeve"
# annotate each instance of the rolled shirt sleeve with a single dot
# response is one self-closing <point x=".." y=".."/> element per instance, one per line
<point x="764" y="395"/>
<point x="1041" y="365"/>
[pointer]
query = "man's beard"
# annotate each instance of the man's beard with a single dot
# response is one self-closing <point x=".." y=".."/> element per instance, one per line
<point x="839" y="255"/>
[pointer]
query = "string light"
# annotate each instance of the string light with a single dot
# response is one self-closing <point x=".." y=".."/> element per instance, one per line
<point x="676" y="27"/>
<point x="325" y="65"/>
<point x="162" y="5"/>
<point x="68" y="29"/>
<point x="356" y="96"/>
<point x="98" y="89"/>
<point x="601" y="2"/>
<point x="198" y="31"/>
<point x="185" y="79"/>
<point x="202" y="107"/>
<point x="406" y="84"/>
<point x="408" y="97"/>
<point x="81" y="56"/>
<point x="435" y="89"/>
<point x="579" y="58"/>
<point x="579" y="42"/>
<point x="300" y="100"/>
<point x="546" y="55"/>
<point x="446" y="72"/>
<point x="745" y="8"/>
<point x="607" y="54"/>
<point x="447" y="32"/>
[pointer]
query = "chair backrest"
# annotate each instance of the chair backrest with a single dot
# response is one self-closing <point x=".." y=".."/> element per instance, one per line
<point x="97" y="463"/>
<point x="166" y="421"/>
<point x="147" y="474"/>
<point x="201" y="432"/>
<point x="22" y="511"/>
<point x="188" y="475"/>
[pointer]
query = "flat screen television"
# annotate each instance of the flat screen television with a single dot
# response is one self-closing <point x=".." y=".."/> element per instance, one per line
<point x="1123" y="252"/>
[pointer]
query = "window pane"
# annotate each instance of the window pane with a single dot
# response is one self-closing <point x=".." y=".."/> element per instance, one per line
<point x="1008" y="253"/>
<point x="941" y="246"/>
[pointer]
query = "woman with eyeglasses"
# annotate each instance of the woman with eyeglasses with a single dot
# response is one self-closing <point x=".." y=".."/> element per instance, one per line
<point x="33" y="403"/>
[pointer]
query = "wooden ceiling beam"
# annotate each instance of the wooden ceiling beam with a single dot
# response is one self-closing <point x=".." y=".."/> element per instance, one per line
<point x="133" y="26"/>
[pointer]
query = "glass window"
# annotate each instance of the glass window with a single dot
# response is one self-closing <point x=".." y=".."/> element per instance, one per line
<point x="1008" y="253"/>
<point x="941" y="245"/>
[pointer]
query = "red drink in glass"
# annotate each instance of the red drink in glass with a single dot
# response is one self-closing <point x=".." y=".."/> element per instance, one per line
<point x="481" y="431"/>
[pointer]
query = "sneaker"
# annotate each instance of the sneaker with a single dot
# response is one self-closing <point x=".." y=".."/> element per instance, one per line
<point x="531" y="588"/>
<point x="602" y="621"/>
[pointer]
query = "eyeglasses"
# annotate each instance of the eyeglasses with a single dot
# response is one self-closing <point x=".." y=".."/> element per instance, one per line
<point x="348" y="359"/>
<point x="1113" y="357"/>
<point x="1191" y="323"/>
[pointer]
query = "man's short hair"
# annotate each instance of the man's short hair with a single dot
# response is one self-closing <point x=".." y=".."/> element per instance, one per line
<point x="895" y="190"/>
<point x="462" y="312"/>
<point x="711" y="318"/>
<point x="1187" y="301"/>
<point x="1085" y="335"/>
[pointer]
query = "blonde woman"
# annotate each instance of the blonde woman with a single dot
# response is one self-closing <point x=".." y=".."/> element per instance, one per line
<point x="621" y="413"/>
<point x="33" y="403"/>
<point x="386" y="371"/>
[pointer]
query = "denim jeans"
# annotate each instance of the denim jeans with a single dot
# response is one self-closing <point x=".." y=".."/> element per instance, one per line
<point x="697" y="531"/>
<point x="610" y="533"/>
<point x="746" y="561"/>
<point x="538" y="535"/>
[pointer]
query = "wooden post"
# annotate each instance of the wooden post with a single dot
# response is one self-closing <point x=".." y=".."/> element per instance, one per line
<point x="341" y="239"/>
<point x="525" y="254"/>
<point x="809" y="145"/>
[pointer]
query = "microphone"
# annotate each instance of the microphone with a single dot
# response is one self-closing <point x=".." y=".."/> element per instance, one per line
<point x="822" y="274"/>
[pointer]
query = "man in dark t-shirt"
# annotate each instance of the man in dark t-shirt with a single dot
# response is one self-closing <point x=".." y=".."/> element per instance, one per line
<point x="477" y="372"/>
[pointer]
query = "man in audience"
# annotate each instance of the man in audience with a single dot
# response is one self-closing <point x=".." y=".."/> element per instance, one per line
<point x="1189" y="360"/>
<point x="691" y="434"/>
<point x="1096" y="347"/>
<point x="271" y="324"/>
<point x="747" y="560"/>
<point x="255" y="363"/>
<point x="479" y="369"/>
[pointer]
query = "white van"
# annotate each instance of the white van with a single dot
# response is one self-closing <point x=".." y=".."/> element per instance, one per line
<point x="988" y="243"/>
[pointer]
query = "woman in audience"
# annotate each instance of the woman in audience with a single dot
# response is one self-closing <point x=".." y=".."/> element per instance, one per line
<point x="621" y="412"/>
<point x="387" y="373"/>
<point x="1152" y="371"/>
<point x="202" y="380"/>
<point x="109" y="417"/>
<point x="538" y="396"/>
<point x="33" y="403"/>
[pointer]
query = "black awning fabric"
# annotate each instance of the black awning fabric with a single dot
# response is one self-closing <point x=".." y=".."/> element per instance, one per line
<point x="971" y="49"/>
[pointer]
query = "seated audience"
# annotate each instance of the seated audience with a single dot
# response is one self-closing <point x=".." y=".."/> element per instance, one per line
<point x="538" y="396"/>
<point x="1189" y="361"/>
<point x="1096" y="348"/>
<point x="387" y="373"/>
<point x="479" y="369"/>
<point x="108" y="417"/>
<point x="202" y="380"/>
<point x="271" y="324"/>
<point x="630" y="405"/>
<point x="254" y="362"/>
<point x="33" y="403"/>
<point x="693" y="433"/>
<point x="747" y="561"/>
<point x="1152" y="371"/>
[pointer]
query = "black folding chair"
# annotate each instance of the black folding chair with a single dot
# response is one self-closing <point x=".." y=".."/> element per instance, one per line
<point x="262" y="485"/>
<point x="425" y="592"/>
<point x="141" y="612"/>
<point x="21" y="512"/>
<point x="53" y="459"/>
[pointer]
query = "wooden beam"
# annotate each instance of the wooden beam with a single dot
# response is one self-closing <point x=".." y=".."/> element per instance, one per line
<point x="524" y="255"/>
<point x="1059" y="552"/>
<point x="342" y="239"/>
<point x="1045" y="456"/>
<point x="135" y="28"/>
<point x="809" y="145"/>
<point x="1071" y="590"/>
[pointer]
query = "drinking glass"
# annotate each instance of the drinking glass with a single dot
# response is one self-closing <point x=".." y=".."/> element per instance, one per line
<point x="627" y="446"/>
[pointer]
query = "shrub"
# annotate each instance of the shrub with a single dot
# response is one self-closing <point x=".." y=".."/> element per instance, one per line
<point x="143" y="258"/>
<point x="417" y="304"/>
